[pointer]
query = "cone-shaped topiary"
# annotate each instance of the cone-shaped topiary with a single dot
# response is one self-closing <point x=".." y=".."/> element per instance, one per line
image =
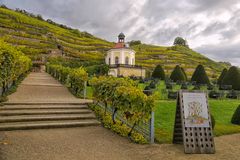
<point x="186" y="78"/>
<point x="177" y="75"/>
<point x="232" y="78"/>
<point x="236" y="116"/>
<point x="158" y="73"/>
<point x="223" y="74"/>
<point x="200" y="76"/>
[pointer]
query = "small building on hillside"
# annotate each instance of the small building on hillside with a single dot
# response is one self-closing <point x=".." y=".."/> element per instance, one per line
<point x="121" y="60"/>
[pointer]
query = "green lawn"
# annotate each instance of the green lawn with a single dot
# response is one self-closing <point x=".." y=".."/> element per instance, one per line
<point x="222" y="111"/>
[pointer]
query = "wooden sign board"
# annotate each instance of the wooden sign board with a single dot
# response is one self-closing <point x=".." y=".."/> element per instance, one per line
<point x="193" y="126"/>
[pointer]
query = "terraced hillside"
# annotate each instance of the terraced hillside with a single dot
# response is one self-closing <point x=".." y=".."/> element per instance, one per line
<point x="36" y="38"/>
<point x="169" y="57"/>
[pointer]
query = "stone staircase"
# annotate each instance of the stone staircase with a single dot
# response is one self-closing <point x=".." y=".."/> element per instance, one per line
<point x="20" y="116"/>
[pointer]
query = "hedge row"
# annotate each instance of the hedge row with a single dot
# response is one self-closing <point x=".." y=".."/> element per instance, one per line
<point x="14" y="64"/>
<point x="72" y="78"/>
<point x="123" y="96"/>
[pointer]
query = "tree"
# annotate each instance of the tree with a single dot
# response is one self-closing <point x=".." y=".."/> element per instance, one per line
<point x="180" y="41"/>
<point x="232" y="78"/>
<point x="178" y="75"/>
<point x="223" y="74"/>
<point x="186" y="78"/>
<point x="133" y="42"/>
<point x="158" y="73"/>
<point x="199" y="76"/>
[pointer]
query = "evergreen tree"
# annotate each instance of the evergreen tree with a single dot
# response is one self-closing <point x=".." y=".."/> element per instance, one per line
<point x="236" y="116"/>
<point x="232" y="78"/>
<point x="186" y="78"/>
<point x="199" y="76"/>
<point x="177" y="74"/>
<point x="223" y="74"/>
<point x="158" y="73"/>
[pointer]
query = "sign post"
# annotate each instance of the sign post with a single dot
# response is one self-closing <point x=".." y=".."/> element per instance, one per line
<point x="193" y="126"/>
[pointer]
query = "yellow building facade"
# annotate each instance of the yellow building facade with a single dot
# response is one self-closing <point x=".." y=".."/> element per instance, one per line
<point x="121" y="60"/>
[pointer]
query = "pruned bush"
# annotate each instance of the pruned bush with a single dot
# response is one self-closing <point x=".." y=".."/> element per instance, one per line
<point x="147" y="91"/>
<point x="236" y="116"/>
<point x="196" y="87"/>
<point x="214" y="94"/>
<point x="184" y="86"/>
<point x="169" y="86"/>
<point x="158" y="73"/>
<point x="232" y="95"/>
<point x="200" y="76"/>
<point x="210" y="87"/>
<point x="232" y="77"/>
<point x="223" y="74"/>
<point x="225" y="87"/>
<point x="177" y="75"/>
<point x="152" y="85"/>
<point x="172" y="95"/>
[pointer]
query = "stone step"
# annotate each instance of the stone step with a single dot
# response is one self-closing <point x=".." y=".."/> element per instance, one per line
<point x="31" y="118"/>
<point x="24" y="107"/>
<point x="44" y="112"/>
<point x="48" y="125"/>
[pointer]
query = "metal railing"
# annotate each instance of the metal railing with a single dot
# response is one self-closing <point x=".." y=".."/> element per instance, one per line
<point x="144" y="128"/>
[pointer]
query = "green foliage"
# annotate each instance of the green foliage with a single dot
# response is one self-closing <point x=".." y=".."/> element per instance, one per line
<point x="200" y="76"/>
<point x="223" y="74"/>
<point x="236" y="116"/>
<point x="180" y="41"/>
<point x="232" y="78"/>
<point x="73" y="78"/>
<point x="177" y="75"/>
<point x="122" y="95"/>
<point x="158" y="73"/>
<point x="118" y="127"/>
<point x="133" y="43"/>
<point x="185" y="75"/>
<point x="14" y="64"/>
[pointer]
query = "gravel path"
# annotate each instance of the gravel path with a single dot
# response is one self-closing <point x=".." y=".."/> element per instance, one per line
<point x="97" y="143"/>
<point x="41" y="87"/>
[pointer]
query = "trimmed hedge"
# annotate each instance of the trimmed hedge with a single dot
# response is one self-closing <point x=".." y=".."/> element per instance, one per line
<point x="158" y="73"/>
<point x="236" y="116"/>
<point x="72" y="78"/>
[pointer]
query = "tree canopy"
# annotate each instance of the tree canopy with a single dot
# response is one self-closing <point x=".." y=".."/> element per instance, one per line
<point x="180" y="41"/>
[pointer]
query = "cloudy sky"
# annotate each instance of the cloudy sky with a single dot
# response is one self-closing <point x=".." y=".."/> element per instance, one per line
<point x="212" y="27"/>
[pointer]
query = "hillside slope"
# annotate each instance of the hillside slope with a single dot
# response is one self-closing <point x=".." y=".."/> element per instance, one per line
<point x="37" y="38"/>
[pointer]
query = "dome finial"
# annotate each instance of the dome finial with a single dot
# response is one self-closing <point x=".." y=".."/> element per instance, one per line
<point x="121" y="37"/>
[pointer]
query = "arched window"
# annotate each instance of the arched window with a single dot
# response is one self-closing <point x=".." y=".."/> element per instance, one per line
<point x="109" y="61"/>
<point x="116" y="60"/>
<point x="127" y="61"/>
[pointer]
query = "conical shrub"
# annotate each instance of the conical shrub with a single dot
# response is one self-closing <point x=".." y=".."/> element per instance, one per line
<point x="178" y="75"/>
<point x="158" y="73"/>
<point x="236" y="116"/>
<point x="232" y="78"/>
<point x="200" y="76"/>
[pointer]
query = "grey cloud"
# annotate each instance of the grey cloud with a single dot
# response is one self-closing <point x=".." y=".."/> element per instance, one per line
<point x="223" y="52"/>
